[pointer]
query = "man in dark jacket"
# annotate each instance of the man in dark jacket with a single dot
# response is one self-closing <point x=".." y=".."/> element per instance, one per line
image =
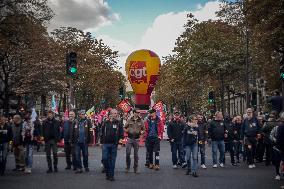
<point x="202" y="138"/>
<point x="276" y="102"/>
<point x="5" y="138"/>
<point x="229" y="139"/>
<point x="217" y="134"/>
<point x="51" y="134"/>
<point x="237" y="125"/>
<point x="69" y="147"/>
<point x="111" y="139"/>
<point x="249" y="133"/>
<point x="174" y="130"/>
<point x="81" y="138"/>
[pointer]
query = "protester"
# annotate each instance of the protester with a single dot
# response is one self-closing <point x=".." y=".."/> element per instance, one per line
<point x="153" y="135"/>
<point x="190" y="142"/>
<point x="217" y="134"/>
<point x="69" y="146"/>
<point x="237" y="124"/>
<point x="134" y="128"/>
<point x="5" y="138"/>
<point x="249" y="133"/>
<point x="111" y="139"/>
<point x="202" y="138"/>
<point x="81" y="138"/>
<point x="174" y="131"/>
<point x="51" y="133"/>
<point x="18" y="143"/>
<point x="29" y="135"/>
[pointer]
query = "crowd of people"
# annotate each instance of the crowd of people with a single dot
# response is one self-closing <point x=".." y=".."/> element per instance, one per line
<point x="248" y="138"/>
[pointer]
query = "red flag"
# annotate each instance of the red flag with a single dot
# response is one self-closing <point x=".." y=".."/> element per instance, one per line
<point x="124" y="106"/>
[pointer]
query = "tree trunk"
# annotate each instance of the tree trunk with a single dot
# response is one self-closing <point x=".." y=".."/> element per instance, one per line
<point x="222" y="93"/>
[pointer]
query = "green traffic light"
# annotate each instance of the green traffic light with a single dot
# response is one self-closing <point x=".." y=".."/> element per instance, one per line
<point x="73" y="70"/>
<point x="210" y="100"/>
<point x="282" y="75"/>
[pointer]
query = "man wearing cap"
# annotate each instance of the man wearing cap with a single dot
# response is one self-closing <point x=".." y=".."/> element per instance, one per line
<point x="249" y="133"/>
<point x="154" y="133"/>
<point x="134" y="128"/>
<point x="175" y="129"/>
<point x="51" y="134"/>
<point x="81" y="139"/>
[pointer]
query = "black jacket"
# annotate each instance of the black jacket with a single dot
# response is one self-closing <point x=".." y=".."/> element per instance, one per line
<point x="250" y="128"/>
<point x="237" y="131"/>
<point x="68" y="130"/>
<point x="51" y="130"/>
<point x="217" y="130"/>
<point x="202" y="131"/>
<point x="111" y="132"/>
<point x="175" y="129"/>
<point x="5" y="134"/>
<point x="190" y="135"/>
<point x="280" y="137"/>
<point x="87" y="126"/>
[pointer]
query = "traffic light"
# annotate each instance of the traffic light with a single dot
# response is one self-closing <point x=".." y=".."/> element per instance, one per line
<point x="71" y="64"/>
<point x="282" y="69"/>
<point x="211" y="98"/>
<point x="121" y="92"/>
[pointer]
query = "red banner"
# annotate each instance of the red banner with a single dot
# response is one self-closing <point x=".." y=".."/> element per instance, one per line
<point x="124" y="106"/>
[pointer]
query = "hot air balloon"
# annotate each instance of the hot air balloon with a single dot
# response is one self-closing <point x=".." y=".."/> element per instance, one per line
<point x="142" y="68"/>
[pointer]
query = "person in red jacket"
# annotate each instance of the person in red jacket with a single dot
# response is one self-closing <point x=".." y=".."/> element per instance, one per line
<point x="153" y="135"/>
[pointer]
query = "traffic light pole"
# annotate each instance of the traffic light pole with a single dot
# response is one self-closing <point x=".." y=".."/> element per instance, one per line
<point x="71" y="94"/>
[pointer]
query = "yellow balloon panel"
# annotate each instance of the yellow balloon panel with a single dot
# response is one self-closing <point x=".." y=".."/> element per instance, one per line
<point x="142" y="68"/>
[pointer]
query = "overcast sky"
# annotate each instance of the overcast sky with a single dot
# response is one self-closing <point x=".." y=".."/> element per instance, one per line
<point x="128" y="25"/>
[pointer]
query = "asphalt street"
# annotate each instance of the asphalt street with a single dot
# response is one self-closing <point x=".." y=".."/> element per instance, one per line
<point x="230" y="177"/>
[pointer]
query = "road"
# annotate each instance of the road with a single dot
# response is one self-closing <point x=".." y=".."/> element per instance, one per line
<point x="230" y="177"/>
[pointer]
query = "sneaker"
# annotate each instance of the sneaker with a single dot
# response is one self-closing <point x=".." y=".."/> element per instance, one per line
<point x="49" y="171"/>
<point x="78" y="171"/>
<point x="156" y="167"/>
<point x="175" y="166"/>
<point x="146" y="164"/>
<point x="250" y="166"/>
<point x="203" y="166"/>
<point x="221" y="165"/>
<point x="184" y="165"/>
<point x="151" y="166"/>
<point x="277" y="177"/>
<point x="87" y="169"/>
<point x="253" y="165"/>
<point x="28" y="171"/>
<point x="215" y="166"/>
<point x="234" y="164"/>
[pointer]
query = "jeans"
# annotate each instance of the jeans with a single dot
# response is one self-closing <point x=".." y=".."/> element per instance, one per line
<point x="109" y="158"/>
<point x="3" y="157"/>
<point x="135" y="144"/>
<point x="70" y="151"/>
<point x="192" y="152"/>
<point x="177" y="148"/>
<point x="19" y="156"/>
<point x="202" y="153"/>
<point x="29" y="155"/>
<point x="51" y="144"/>
<point x="218" y="145"/>
<point x="81" y="147"/>
<point x="153" y="145"/>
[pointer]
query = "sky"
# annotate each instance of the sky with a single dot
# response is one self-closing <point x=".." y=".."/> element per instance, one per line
<point x="129" y="25"/>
